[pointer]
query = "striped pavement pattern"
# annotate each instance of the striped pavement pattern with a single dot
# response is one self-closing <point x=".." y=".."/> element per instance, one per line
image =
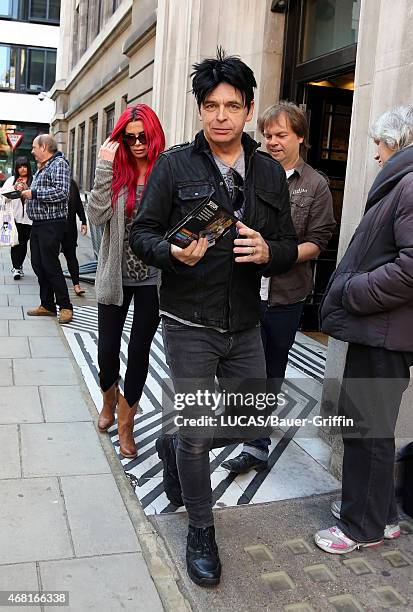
<point x="306" y="363"/>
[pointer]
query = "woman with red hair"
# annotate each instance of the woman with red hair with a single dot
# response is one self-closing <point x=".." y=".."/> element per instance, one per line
<point x="124" y="164"/>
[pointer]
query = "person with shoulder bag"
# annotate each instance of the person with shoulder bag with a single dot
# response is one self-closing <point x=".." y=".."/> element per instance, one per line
<point x="124" y="164"/>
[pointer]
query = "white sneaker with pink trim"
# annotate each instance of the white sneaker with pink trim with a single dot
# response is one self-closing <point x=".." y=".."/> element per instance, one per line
<point x="391" y="531"/>
<point x="335" y="542"/>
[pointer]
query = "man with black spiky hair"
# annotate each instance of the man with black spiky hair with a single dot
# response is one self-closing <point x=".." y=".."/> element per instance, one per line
<point x="210" y="297"/>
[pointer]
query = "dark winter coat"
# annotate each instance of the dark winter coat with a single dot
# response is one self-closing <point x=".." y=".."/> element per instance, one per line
<point x="75" y="207"/>
<point x="369" y="299"/>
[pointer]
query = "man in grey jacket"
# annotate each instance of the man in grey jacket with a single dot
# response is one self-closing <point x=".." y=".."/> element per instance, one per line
<point x="369" y="303"/>
<point x="47" y="205"/>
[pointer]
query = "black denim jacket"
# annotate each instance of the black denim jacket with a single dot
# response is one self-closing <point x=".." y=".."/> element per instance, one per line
<point x="216" y="291"/>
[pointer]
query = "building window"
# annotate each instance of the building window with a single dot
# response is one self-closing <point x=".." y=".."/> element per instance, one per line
<point x="9" y="9"/>
<point x="44" y="11"/>
<point x="8" y="65"/>
<point x="93" y="141"/>
<point x="101" y="16"/>
<point x="75" y="37"/>
<point x="72" y="149"/>
<point x="41" y="70"/>
<point x="25" y="69"/>
<point x="110" y="120"/>
<point x="329" y="25"/>
<point x="81" y="156"/>
<point x="41" y="10"/>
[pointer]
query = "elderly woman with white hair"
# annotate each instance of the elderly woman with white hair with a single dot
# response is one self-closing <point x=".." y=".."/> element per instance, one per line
<point x="369" y="304"/>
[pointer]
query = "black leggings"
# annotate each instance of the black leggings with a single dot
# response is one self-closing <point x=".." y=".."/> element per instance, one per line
<point x="69" y="244"/>
<point x="111" y="322"/>
<point x="18" y="253"/>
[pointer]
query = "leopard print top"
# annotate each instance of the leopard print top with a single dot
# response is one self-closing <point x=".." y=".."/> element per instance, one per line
<point x="134" y="271"/>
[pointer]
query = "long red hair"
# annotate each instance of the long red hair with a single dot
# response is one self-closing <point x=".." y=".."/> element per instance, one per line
<point x="124" y="165"/>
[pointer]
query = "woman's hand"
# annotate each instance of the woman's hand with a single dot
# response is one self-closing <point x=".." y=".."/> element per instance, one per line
<point x="83" y="229"/>
<point x="108" y="150"/>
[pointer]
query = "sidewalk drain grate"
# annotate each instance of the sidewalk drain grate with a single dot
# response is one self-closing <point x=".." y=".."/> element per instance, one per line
<point x="278" y="581"/>
<point x="388" y="597"/>
<point x="319" y="573"/>
<point x="259" y="553"/>
<point x="299" y="546"/>
<point x="396" y="558"/>
<point x="359" y="566"/>
<point x="345" y="603"/>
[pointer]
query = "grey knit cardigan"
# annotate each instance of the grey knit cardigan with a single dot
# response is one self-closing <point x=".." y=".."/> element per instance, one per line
<point x="108" y="284"/>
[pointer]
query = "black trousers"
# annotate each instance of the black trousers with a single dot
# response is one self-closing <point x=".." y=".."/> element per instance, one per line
<point x="111" y="320"/>
<point x="279" y="324"/>
<point x="18" y="253"/>
<point x="45" y="241"/>
<point x="196" y="355"/>
<point x="69" y="244"/>
<point x="373" y="384"/>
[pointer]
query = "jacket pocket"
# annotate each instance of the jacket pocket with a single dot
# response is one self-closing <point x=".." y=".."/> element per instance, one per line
<point x="333" y="297"/>
<point x="300" y="209"/>
<point x="186" y="197"/>
<point x="190" y="195"/>
<point x="267" y="202"/>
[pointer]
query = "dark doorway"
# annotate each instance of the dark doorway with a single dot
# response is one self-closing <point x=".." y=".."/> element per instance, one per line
<point x="329" y="105"/>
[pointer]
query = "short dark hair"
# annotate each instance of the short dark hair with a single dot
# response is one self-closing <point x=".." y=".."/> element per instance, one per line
<point x="296" y="117"/>
<point x="209" y="73"/>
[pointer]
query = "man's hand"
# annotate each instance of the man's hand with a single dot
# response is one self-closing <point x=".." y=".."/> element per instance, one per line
<point x="252" y="248"/>
<point x="26" y="194"/>
<point x="192" y="254"/>
<point x="108" y="150"/>
<point x="83" y="229"/>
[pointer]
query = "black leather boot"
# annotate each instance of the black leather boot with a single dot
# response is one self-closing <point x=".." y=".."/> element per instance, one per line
<point x="167" y="454"/>
<point x="243" y="463"/>
<point x="202" y="558"/>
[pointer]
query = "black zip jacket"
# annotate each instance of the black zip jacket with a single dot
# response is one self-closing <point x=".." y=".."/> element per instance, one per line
<point x="216" y="291"/>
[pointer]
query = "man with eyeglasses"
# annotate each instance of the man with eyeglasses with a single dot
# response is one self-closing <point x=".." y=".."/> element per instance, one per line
<point x="209" y="297"/>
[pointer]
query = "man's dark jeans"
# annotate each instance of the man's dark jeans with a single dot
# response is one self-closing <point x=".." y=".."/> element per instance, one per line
<point x="200" y="354"/>
<point x="373" y="384"/>
<point x="45" y="241"/>
<point x="279" y="325"/>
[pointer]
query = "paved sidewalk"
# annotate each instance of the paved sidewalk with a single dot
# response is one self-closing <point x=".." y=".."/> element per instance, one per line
<point x="68" y="517"/>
